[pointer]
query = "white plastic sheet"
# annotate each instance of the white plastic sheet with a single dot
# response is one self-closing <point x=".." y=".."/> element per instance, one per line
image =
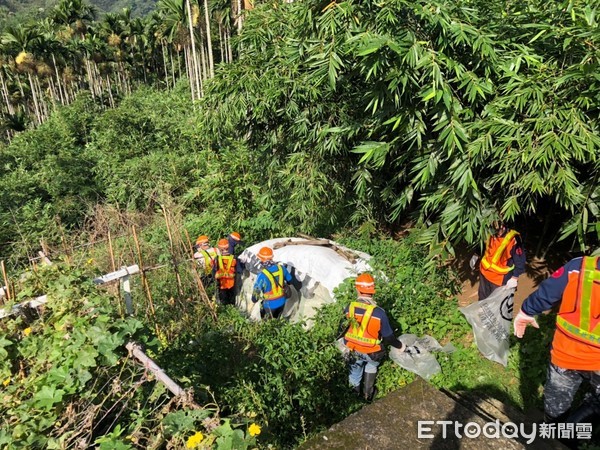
<point x="491" y="320"/>
<point x="424" y="363"/>
<point x="318" y="270"/>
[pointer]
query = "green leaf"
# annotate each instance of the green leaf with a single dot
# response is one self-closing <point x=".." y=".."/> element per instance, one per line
<point x="47" y="396"/>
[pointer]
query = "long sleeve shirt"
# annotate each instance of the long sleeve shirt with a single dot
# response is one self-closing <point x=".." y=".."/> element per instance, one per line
<point x="263" y="285"/>
<point x="566" y="351"/>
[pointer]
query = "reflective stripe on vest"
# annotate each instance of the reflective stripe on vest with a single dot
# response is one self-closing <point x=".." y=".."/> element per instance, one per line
<point x="357" y="332"/>
<point x="493" y="264"/>
<point x="207" y="261"/>
<point x="225" y="271"/>
<point x="579" y="323"/>
<point x="276" y="288"/>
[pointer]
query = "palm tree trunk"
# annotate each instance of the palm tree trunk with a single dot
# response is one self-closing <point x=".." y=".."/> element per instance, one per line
<point x="228" y="37"/>
<point x="211" y="63"/>
<point x="221" y="46"/>
<point x="42" y="100"/>
<point x="239" y="16"/>
<point x="58" y="83"/>
<point x="37" y="112"/>
<point x="189" y="71"/>
<point x="203" y="61"/>
<point x="9" y="105"/>
<point x="200" y="78"/>
<point x="88" y="71"/>
<point x="164" y="58"/>
<point x="20" y="87"/>
<point x="193" y="45"/>
<point x="110" y="95"/>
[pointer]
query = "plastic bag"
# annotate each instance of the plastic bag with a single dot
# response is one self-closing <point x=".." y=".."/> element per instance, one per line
<point x="423" y="364"/>
<point x="255" y="312"/>
<point x="491" y="320"/>
<point x="345" y="351"/>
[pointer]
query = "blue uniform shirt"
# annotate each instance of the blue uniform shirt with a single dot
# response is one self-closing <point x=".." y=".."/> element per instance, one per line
<point x="551" y="290"/>
<point x="262" y="284"/>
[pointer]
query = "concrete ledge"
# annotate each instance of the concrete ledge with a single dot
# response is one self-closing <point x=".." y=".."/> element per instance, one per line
<point x="391" y="423"/>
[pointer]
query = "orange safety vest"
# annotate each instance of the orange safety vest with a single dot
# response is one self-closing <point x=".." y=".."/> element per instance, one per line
<point x="497" y="253"/>
<point x="363" y="333"/>
<point x="225" y="271"/>
<point x="579" y="313"/>
<point x="276" y="291"/>
<point x="209" y="256"/>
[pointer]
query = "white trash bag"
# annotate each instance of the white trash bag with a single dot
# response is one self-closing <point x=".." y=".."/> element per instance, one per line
<point x="491" y="320"/>
<point x="423" y="364"/>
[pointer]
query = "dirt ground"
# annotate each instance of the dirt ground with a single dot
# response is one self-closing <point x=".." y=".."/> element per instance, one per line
<point x="537" y="271"/>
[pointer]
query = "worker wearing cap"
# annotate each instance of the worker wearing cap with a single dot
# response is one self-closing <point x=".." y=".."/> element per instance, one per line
<point x="270" y="285"/>
<point x="205" y="254"/>
<point x="367" y="329"/>
<point x="234" y="240"/>
<point x="224" y="271"/>
<point x="575" y="350"/>
<point x="503" y="261"/>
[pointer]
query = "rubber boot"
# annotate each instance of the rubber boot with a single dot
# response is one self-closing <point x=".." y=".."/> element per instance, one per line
<point x="369" y="390"/>
<point x="356" y="390"/>
<point x="589" y="408"/>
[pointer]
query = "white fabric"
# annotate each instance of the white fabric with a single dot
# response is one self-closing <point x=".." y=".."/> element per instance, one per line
<point x="319" y="269"/>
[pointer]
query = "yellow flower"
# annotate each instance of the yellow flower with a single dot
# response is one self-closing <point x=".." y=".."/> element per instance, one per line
<point x="254" y="430"/>
<point x="27" y="331"/>
<point x="6" y="382"/>
<point x="90" y="261"/>
<point x="194" y="440"/>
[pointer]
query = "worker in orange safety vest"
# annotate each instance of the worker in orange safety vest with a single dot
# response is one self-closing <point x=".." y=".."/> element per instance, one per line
<point x="367" y="328"/>
<point x="575" y="351"/>
<point x="224" y="271"/>
<point x="503" y="261"/>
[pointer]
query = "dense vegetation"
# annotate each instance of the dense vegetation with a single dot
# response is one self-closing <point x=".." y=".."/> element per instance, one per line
<point x="18" y="11"/>
<point x="355" y="114"/>
<point x="351" y="119"/>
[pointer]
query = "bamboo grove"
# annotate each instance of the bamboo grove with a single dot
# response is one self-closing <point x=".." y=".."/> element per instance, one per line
<point x="47" y="63"/>
<point x="440" y="115"/>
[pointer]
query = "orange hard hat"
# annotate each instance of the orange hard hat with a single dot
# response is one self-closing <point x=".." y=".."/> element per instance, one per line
<point x="202" y="239"/>
<point x="365" y="284"/>
<point x="223" y="244"/>
<point x="237" y="236"/>
<point x="265" y="254"/>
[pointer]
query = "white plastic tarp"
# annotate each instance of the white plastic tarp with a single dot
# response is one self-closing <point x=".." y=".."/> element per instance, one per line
<point x="424" y="363"/>
<point x="317" y="271"/>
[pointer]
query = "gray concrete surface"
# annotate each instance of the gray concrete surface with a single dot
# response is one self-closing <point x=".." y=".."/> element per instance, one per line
<point x="392" y="423"/>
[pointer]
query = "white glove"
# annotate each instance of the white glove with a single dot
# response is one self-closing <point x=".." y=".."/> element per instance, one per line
<point x="521" y="322"/>
<point x="473" y="261"/>
<point x="512" y="283"/>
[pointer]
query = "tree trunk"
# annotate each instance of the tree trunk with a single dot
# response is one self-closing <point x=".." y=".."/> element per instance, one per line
<point x="221" y="46"/>
<point x="88" y="71"/>
<point x="211" y="63"/>
<point x="228" y="37"/>
<point x="164" y="58"/>
<point x="110" y="95"/>
<point x="189" y="71"/>
<point x="203" y="61"/>
<point x="58" y="83"/>
<point x="37" y="112"/>
<point x="9" y="105"/>
<point x="193" y="46"/>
